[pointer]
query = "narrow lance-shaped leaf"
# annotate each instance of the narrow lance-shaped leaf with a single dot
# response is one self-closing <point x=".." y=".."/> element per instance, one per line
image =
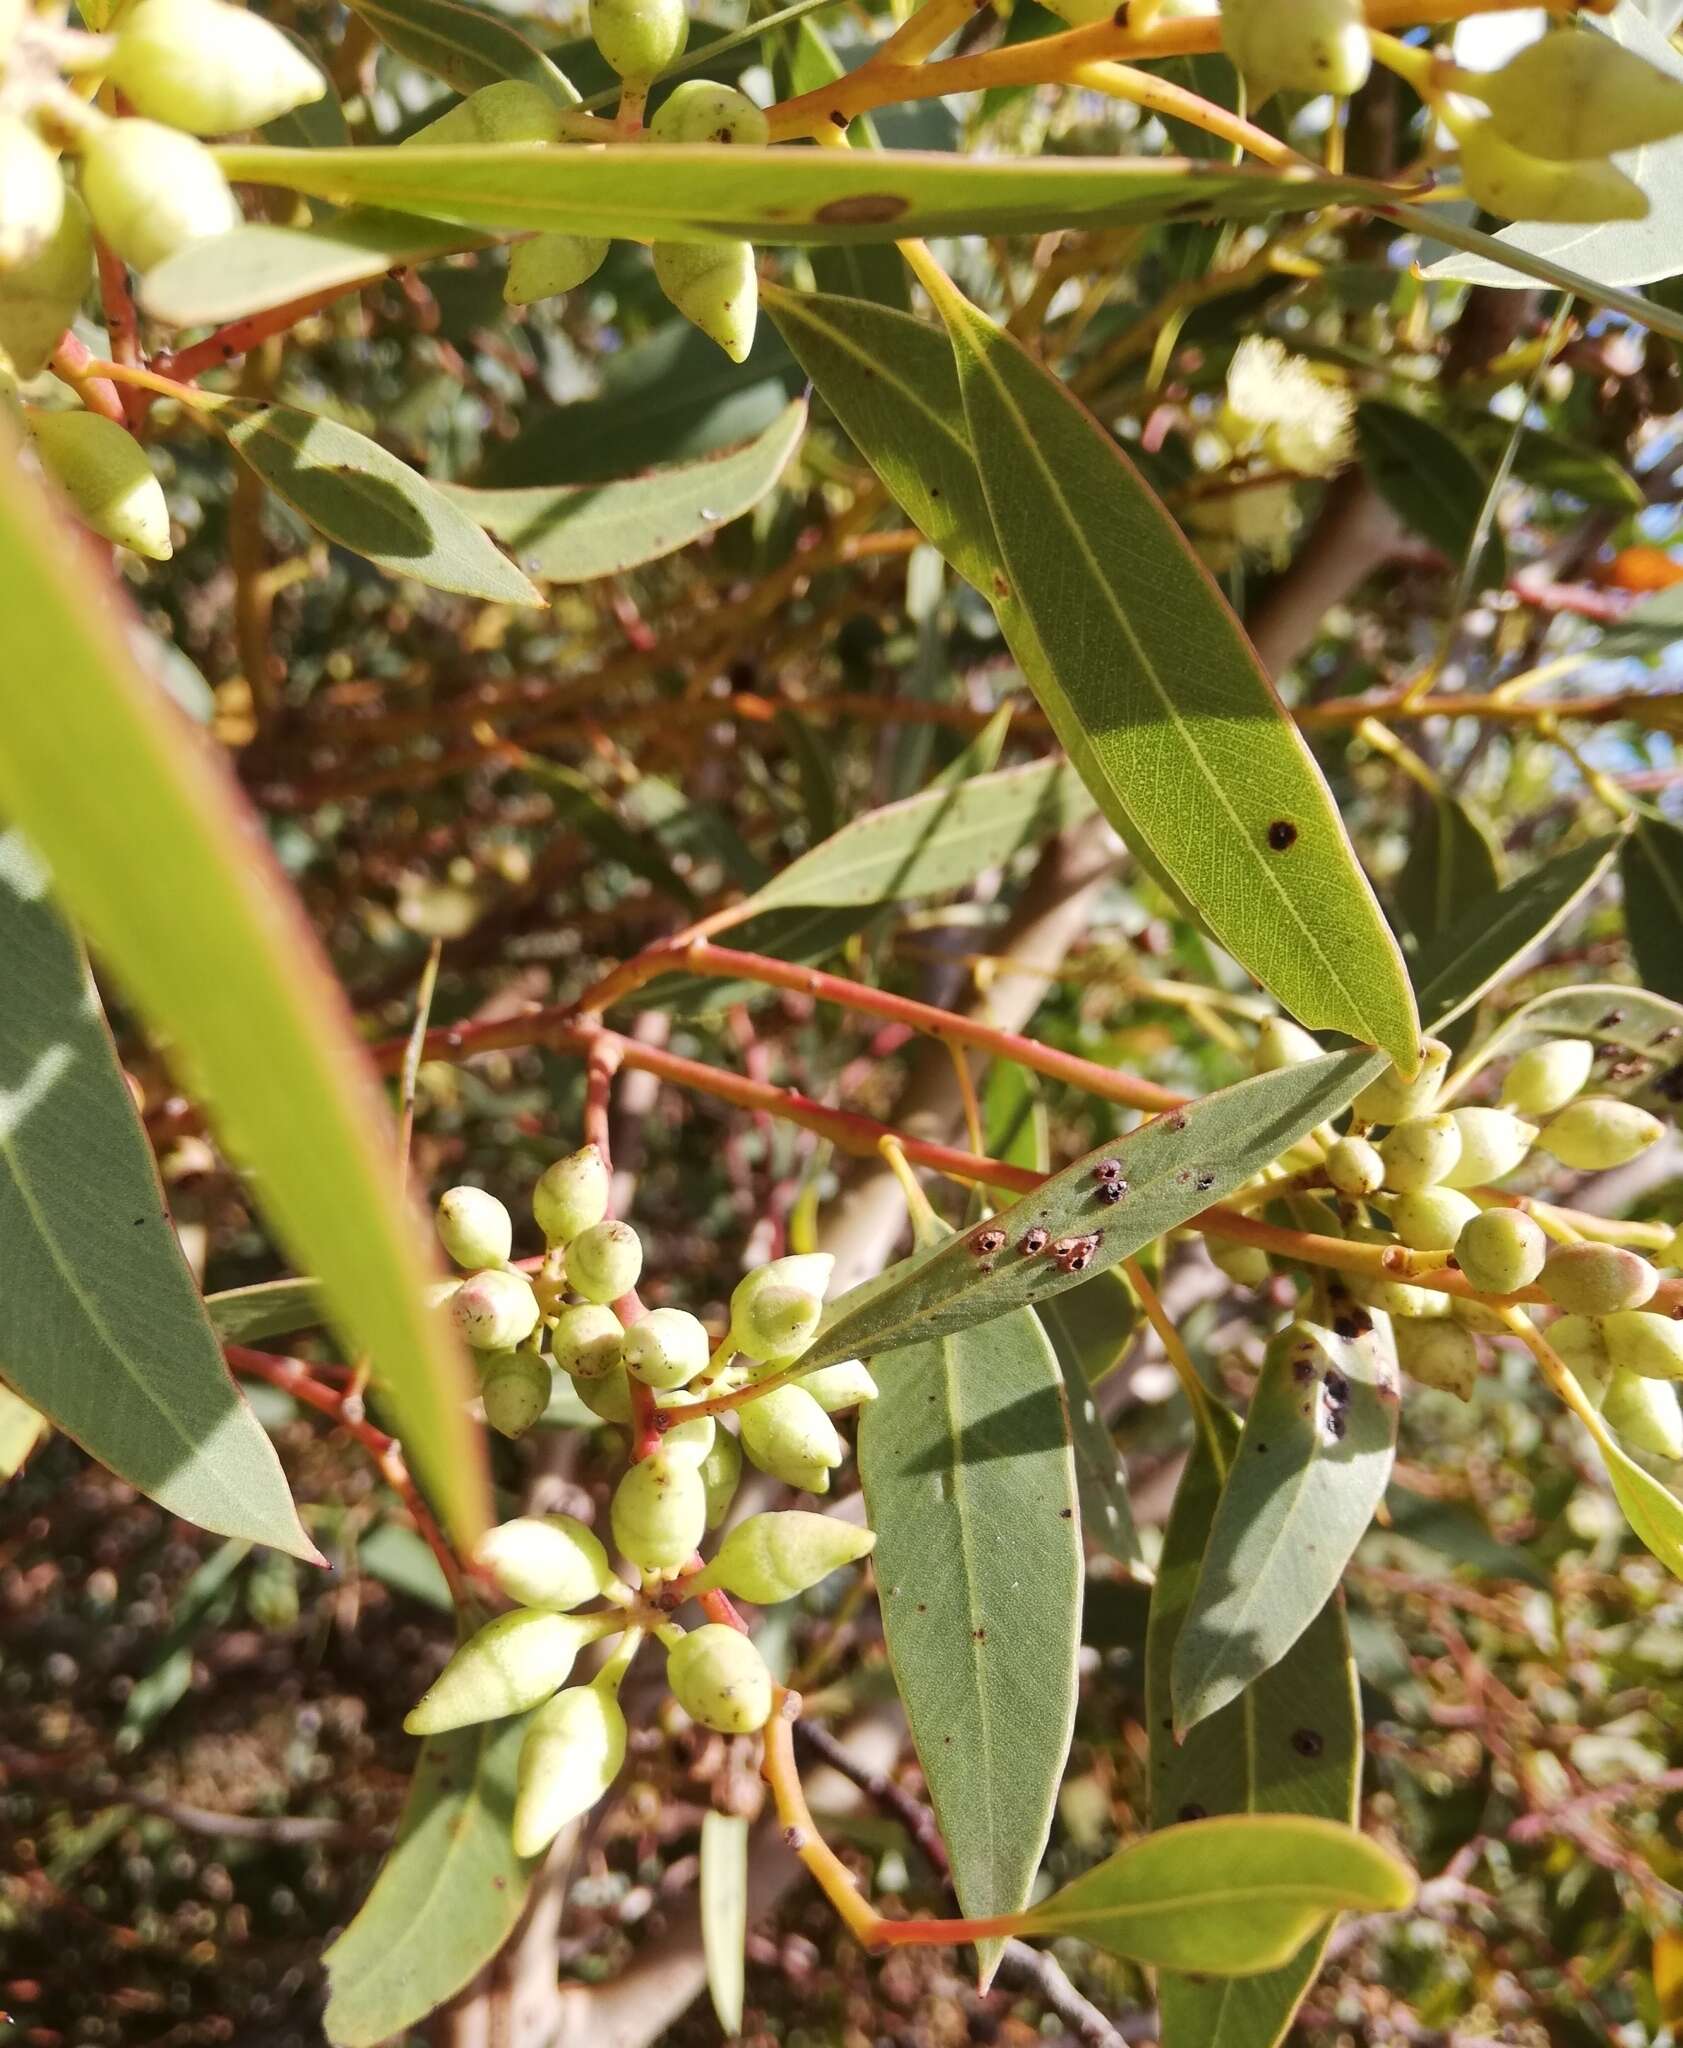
<point x="465" y="46"/>
<point x="180" y="895"/>
<point x="1452" y="863"/>
<point x="273" y="1308"/>
<point x="103" y="1329"/>
<point x="1651" y="868"/>
<point x="1088" y="1329"/>
<point x="1429" y="480"/>
<point x="724" y="1913"/>
<point x="1651" y="1509"/>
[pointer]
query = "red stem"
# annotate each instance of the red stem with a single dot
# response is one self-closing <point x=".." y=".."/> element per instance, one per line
<point x="122" y="325"/>
<point x="98" y="394"/>
<point x="239" y="336"/>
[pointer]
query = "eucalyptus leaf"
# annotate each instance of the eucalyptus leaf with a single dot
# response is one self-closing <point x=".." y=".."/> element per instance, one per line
<point x="465" y="46"/>
<point x="273" y="1308"/>
<point x="1651" y="1509"/>
<point x="723" y="1887"/>
<point x="1089" y="1328"/>
<point x="1651" y="868"/>
<point x="1452" y="862"/>
<point x="1429" y="480"/>
<point x="21" y="1429"/>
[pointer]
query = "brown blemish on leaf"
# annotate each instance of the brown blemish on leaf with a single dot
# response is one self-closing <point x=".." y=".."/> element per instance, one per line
<point x="1282" y="835"/>
<point x="862" y="209"/>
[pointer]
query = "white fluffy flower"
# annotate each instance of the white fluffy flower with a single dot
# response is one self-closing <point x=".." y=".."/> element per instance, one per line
<point x="1276" y="403"/>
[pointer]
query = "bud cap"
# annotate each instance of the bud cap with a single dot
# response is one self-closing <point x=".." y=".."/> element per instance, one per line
<point x="495" y="1310"/>
<point x="31" y="193"/>
<point x="152" y="190"/>
<point x="1389" y="1099"/>
<point x="1501" y="1251"/>
<point x="659" y="1512"/>
<point x="1649" y="1345"/>
<point x="1545" y="1078"/>
<point x="515" y="1391"/>
<point x="1419" y="1152"/>
<point x="605" y="1261"/>
<point x="1439" y="1354"/>
<point x="1520" y="186"/>
<point x="1577" y="94"/>
<point x="1493" y="1143"/>
<point x="545" y="266"/>
<point x="587" y="1341"/>
<point x="1597" y="1279"/>
<point x="700" y="111"/>
<point x="773" y="1557"/>
<point x="844" y="1385"/>
<point x="667" y="1348"/>
<point x="1431" y="1219"/>
<point x="639" y="38"/>
<point x="788" y="1435"/>
<point x="1645" y="1413"/>
<point x="1599" y="1131"/>
<point x="714" y="285"/>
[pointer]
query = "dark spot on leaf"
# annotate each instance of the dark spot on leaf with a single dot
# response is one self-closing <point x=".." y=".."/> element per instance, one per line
<point x="1066" y="1514"/>
<point x="1120" y="18"/>
<point x="1338" y="1387"/>
<point x="978" y="1635"/>
<point x="1307" y="1741"/>
<point x="1302" y="1370"/>
<point x="1204" y="1182"/>
<point x="1175" y="1120"/>
<point x="1261" y="1450"/>
<point x="1001" y="589"/>
<point x="1612" y="1019"/>
<point x="1670" y="1083"/>
<point x="861" y="209"/>
<point x="1282" y="836"/>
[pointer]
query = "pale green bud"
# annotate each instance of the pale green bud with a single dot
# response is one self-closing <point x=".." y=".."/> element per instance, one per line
<point x="587" y="1340"/>
<point x="495" y="1310"/>
<point x="667" y="1348"/>
<point x="511" y="1664"/>
<point x="787" y="1434"/>
<point x="1493" y="1143"/>
<point x="639" y="38"/>
<point x="1597" y="1279"/>
<point x="605" y="1261"/>
<point x="721" y="1473"/>
<point x="104" y="472"/>
<point x="1520" y="186"/>
<point x="571" y="1754"/>
<point x="572" y="1195"/>
<point x="660" y="1513"/>
<point x="1476" y="1316"/>
<point x="1578" y="94"/>
<point x="714" y="285"/>
<point x="1599" y="1131"/>
<point x="688" y="1443"/>
<point x="1281" y="1043"/>
<point x="1431" y="1219"/>
<point x="1389" y="1099"/>
<point x="549" y="264"/>
<point x="720" y="1680"/>
<point x="1246" y="1265"/>
<point x="1312" y="46"/>
<point x="152" y="190"/>
<point x="700" y="111"/>
<point x="41" y="296"/>
<point x="845" y="1385"/>
<point x="31" y="193"/>
<point x="1645" y="1413"/>
<point x="609" y="1397"/>
<point x="1501" y="1251"/>
<point x="1440" y="1354"/>
<point x="511" y="110"/>
<point x="773" y="1557"/>
<point x="1545" y="1079"/>
<point x="1355" y="1168"/>
<point x="474" y="1227"/>
<point x="515" y="1391"/>
<point x="210" y="68"/>
<point x="1638" y="1342"/>
<point x="1583" y="1351"/>
<point x="775" y="1309"/>
<point x="1419" y="1151"/>
<point x="546" y="1561"/>
<point x="1397" y="1298"/>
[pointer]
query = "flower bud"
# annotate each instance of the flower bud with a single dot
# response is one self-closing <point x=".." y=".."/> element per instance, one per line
<point x="31" y="193"/>
<point x="1440" y="1354"/>
<point x="721" y="1473"/>
<point x="1493" y="1143"/>
<point x="546" y="1561"/>
<point x="1520" y="186"/>
<point x="1599" y="1131"/>
<point x="1431" y="1219"/>
<point x="1310" y="46"/>
<point x="609" y="1397"/>
<point x="660" y="1512"/>
<point x="1355" y="1168"/>
<point x="572" y="1195"/>
<point x="688" y="1443"/>
<point x="1650" y="1345"/>
<point x="1395" y="1297"/>
<point x="511" y="1664"/>
<point x="210" y="68"/>
<point x="1579" y="94"/>
<point x="773" y="1557"/>
<point x="714" y="285"/>
<point x="1597" y="1279"/>
<point x="1246" y="1265"/>
<point x="1501" y="1251"/>
<point x="1583" y="1351"/>
<point x="720" y="1680"/>
<point x="639" y="38"/>
<point x="511" y="110"/>
<point x="1483" y="1321"/>
<point x="153" y="190"/>
<point x="41" y="296"/>
<point x="700" y="111"/>
<point x="1389" y="1099"/>
<point x="1419" y="1151"/>
<point x="495" y="1310"/>
<point x="104" y="472"/>
<point x="515" y="1391"/>
<point x="1281" y="1043"/>
<point x="587" y="1341"/>
<point x="1545" y="1079"/>
<point x="548" y="264"/>
<point x="1645" y="1413"/>
<point x="667" y="1348"/>
<point x="845" y="1385"/>
<point x="775" y="1309"/>
<point x="474" y="1227"/>
<point x="571" y="1754"/>
<point x="605" y="1261"/>
<point x="787" y="1434"/>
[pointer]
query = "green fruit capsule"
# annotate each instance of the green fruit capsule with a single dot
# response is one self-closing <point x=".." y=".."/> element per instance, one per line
<point x="1520" y="186"/>
<point x="1578" y="94"/>
<point x="1439" y="1354"/>
<point x="103" y="471"/>
<point x="495" y="1310"/>
<point x="1432" y="1219"/>
<point x="587" y="1341"/>
<point x="510" y="110"/>
<point x="714" y="286"/>
<point x="1312" y="46"/>
<point x="775" y="1309"/>
<point x="1596" y="1279"/>
<point x="787" y="1434"/>
<point x="667" y="1348"/>
<point x="1545" y="1079"/>
<point x="688" y="1443"/>
<point x="511" y="1664"/>
<point x="660" y="1513"/>
<point x="1390" y="1099"/>
<point x="152" y="190"/>
<point x="609" y="1397"/>
<point x="1246" y="1265"/>
<point x="1599" y="1131"/>
<point x="572" y="1195"/>
<point x="515" y="1391"/>
<point x="1493" y="1143"/>
<point x="546" y="1561"/>
<point x="1501" y="1251"/>
<point x="845" y="1385"/>
<point x="1583" y="1350"/>
<point x="605" y="1261"/>
<point x="31" y="193"/>
<point x="474" y="1227"/>
<point x="42" y="295"/>
<point x="700" y="111"/>
<point x="721" y="1474"/>
<point x="1645" y="1413"/>
<point x="1650" y="1345"/>
<point x="1281" y="1043"/>
<point x="1419" y="1152"/>
<point x="571" y="1754"/>
<point x="640" y="38"/>
<point x="1397" y="1298"/>
<point x="210" y="68"/>
<point x="1355" y="1168"/>
<point x="773" y="1557"/>
<point x="546" y="266"/>
<point x="720" y="1680"/>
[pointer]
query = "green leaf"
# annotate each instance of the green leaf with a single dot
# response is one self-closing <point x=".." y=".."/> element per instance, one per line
<point x="1088" y="1329"/>
<point x="1459" y="1534"/>
<point x="446" y="1898"/>
<point x="1430" y="481"/>
<point x="465" y="46"/>
<point x="864" y="270"/>
<point x="1290" y="1743"/>
<point x="21" y="1429"/>
<point x="1652" y="1510"/>
<point x="572" y="533"/>
<point x="1651" y="868"/>
<point x="1161" y="703"/>
<point x="689" y="194"/>
<point x="178" y="892"/>
<point x="1175" y="1165"/>
<point x="1553" y="463"/>
<point x="1311" y="1467"/>
<point x="1227" y="1897"/>
<point x="1015" y="1127"/>
<point x="1453" y="861"/>
<point x="273" y="1308"/>
<point x="580" y="804"/>
<point x="103" y="1329"/>
<point x="351" y="490"/>
<point x="970" y="1486"/>
<point x="724" y="1913"/>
